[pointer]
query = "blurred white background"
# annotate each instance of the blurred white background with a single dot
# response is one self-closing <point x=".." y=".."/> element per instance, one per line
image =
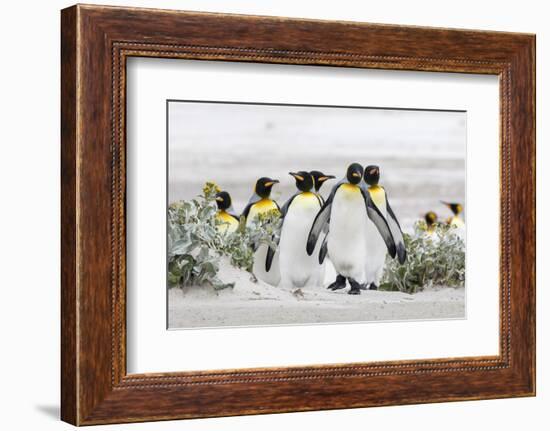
<point x="421" y="154"/>
<point x="29" y="216"/>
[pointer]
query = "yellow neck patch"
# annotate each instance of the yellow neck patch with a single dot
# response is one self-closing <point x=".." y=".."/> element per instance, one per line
<point x="378" y="196"/>
<point x="262" y="206"/>
<point x="306" y="199"/>
<point x="229" y="222"/>
<point x="348" y="191"/>
<point x="226" y="217"/>
<point x="349" y="187"/>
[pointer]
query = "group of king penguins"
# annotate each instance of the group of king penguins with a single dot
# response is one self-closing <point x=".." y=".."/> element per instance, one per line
<point x="354" y="227"/>
<point x="455" y="221"/>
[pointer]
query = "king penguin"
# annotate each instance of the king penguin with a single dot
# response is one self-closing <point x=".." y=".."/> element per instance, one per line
<point x="228" y="221"/>
<point x="344" y="212"/>
<point x="259" y="203"/>
<point x="431" y="219"/>
<point x="376" y="246"/>
<point x="455" y="221"/>
<point x="297" y="268"/>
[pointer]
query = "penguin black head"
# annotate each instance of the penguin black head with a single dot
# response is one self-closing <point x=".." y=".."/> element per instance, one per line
<point x="372" y="175"/>
<point x="319" y="179"/>
<point x="354" y="173"/>
<point x="223" y="200"/>
<point x="454" y="207"/>
<point x="304" y="181"/>
<point x="430" y="218"/>
<point x="263" y="186"/>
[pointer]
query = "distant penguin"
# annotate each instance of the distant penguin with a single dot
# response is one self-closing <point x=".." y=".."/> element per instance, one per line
<point x="297" y="268"/>
<point x="229" y="222"/>
<point x="455" y="220"/>
<point x="376" y="246"/>
<point x="344" y="211"/>
<point x="259" y="203"/>
<point x="431" y="219"/>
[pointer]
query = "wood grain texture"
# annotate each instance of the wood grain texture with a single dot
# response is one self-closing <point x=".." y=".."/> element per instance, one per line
<point x="68" y="218"/>
<point x="96" y="41"/>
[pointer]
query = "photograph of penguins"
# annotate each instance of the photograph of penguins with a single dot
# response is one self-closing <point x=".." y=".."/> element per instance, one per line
<point x="343" y="190"/>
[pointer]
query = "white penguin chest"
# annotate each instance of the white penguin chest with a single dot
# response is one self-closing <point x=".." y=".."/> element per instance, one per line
<point x="348" y="210"/>
<point x="260" y="207"/>
<point x="348" y="228"/>
<point x="298" y="221"/>
<point x="303" y="205"/>
<point x="297" y="267"/>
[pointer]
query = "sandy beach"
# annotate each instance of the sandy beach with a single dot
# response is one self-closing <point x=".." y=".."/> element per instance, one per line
<point x="258" y="308"/>
<point x="257" y="304"/>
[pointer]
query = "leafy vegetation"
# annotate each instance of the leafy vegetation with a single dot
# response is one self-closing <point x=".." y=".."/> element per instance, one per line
<point x="195" y="244"/>
<point x="435" y="257"/>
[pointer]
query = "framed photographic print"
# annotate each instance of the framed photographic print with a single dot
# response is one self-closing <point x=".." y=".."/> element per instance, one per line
<point x="265" y="215"/>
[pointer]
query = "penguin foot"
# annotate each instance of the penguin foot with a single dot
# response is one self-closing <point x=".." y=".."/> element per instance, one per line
<point x="339" y="283"/>
<point x="355" y="287"/>
<point x="373" y="286"/>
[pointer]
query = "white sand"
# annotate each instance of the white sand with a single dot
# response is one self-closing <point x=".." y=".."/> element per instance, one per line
<point x="251" y="304"/>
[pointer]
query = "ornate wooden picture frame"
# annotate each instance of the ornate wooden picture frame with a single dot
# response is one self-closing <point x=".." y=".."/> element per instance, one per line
<point x="96" y="42"/>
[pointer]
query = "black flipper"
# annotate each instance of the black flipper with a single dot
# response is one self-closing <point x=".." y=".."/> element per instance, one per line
<point x="269" y="258"/>
<point x="380" y="222"/>
<point x="270" y="251"/>
<point x="321" y="220"/>
<point x="324" y="250"/>
<point x="397" y="233"/>
<point x="318" y="226"/>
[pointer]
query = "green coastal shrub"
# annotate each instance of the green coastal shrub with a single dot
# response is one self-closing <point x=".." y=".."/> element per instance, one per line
<point x="195" y="245"/>
<point x="433" y="259"/>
